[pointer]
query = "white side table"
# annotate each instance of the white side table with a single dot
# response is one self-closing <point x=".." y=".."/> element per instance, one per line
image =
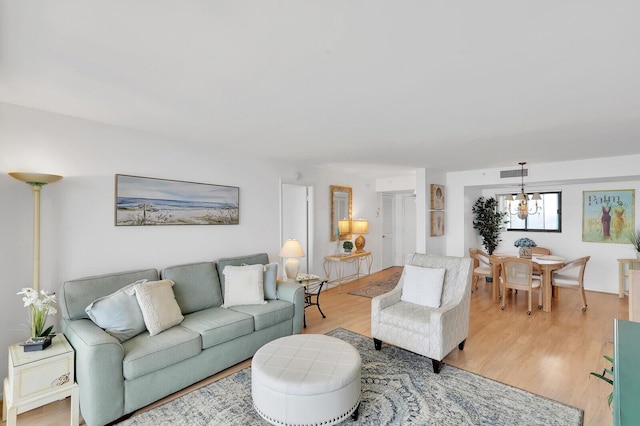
<point x="38" y="378"/>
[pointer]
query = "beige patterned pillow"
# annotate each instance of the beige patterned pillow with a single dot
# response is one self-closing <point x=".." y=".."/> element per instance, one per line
<point x="158" y="304"/>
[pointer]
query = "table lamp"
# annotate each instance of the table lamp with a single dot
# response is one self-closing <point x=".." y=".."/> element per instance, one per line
<point x="291" y="250"/>
<point x="360" y="226"/>
<point x="344" y="228"/>
<point x="37" y="181"/>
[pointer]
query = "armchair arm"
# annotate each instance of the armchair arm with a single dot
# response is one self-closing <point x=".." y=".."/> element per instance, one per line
<point x="294" y="293"/>
<point x="99" y="358"/>
<point x="449" y="325"/>
<point x="383" y="301"/>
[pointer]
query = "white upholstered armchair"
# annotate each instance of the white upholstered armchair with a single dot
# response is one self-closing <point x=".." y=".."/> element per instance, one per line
<point x="421" y="327"/>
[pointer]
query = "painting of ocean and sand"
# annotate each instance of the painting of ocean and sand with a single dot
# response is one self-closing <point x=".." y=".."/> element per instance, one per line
<point x="150" y="201"/>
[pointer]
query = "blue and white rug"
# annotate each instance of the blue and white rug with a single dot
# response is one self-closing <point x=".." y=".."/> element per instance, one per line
<point x="398" y="387"/>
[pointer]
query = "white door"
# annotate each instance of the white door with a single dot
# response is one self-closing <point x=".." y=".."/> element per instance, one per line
<point x="387" y="258"/>
<point x="408" y="225"/>
<point x="296" y="220"/>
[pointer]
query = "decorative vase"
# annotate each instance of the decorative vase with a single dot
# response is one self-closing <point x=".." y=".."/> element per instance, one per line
<point x="525" y="252"/>
<point x="36" y="344"/>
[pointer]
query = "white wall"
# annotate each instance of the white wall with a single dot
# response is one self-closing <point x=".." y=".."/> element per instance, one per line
<point x="78" y="236"/>
<point x="463" y="188"/>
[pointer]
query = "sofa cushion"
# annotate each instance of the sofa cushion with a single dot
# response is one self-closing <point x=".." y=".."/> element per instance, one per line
<point x="218" y="325"/>
<point x="422" y="286"/>
<point x="118" y="313"/>
<point x="407" y="316"/>
<point x="244" y="285"/>
<point x="264" y="316"/>
<point x="145" y="354"/>
<point x="158" y="305"/>
<point x="253" y="259"/>
<point x="75" y="295"/>
<point x="197" y="286"/>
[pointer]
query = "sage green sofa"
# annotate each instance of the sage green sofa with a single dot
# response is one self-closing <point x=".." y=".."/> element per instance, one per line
<point x="117" y="378"/>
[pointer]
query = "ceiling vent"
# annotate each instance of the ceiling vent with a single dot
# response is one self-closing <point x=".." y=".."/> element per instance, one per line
<point x="514" y="173"/>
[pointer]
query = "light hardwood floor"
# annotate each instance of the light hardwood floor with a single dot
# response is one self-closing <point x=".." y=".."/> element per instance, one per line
<point x="550" y="354"/>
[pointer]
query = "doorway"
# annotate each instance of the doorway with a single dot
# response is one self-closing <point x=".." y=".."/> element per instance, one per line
<point x="296" y="221"/>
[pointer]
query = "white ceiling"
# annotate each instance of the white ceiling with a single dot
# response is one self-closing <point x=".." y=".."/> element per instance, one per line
<point x="383" y="86"/>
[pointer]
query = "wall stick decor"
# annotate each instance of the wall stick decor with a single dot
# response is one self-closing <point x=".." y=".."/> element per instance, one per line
<point x="151" y="201"/>
<point x="437" y="197"/>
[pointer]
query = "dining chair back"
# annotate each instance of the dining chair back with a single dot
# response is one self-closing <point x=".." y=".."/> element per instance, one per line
<point x="481" y="265"/>
<point x="540" y="250"/>
<point x="517" y="274"/>
<point x="571" y="275"/>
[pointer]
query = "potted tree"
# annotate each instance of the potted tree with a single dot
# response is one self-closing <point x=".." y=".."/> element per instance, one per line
<point x="635" y="241"/>
<point x="489" y="221"/>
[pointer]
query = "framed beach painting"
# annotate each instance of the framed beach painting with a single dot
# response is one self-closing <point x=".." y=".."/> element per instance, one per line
<point x="608" y="216"/>
<point x="144" y="201"/>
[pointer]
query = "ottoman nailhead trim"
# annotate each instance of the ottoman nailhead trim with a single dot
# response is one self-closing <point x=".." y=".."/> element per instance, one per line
<point x="326" y="422"/>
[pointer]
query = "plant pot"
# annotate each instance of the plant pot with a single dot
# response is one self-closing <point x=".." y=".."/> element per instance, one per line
<point x="347" y="252"/>
<point x="36" y="344"/>
<point x="525" y="252"/>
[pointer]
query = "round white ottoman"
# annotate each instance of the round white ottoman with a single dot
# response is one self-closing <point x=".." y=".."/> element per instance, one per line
<point x="306" y="379"/>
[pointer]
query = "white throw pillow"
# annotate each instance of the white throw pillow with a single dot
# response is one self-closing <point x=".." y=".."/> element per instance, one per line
<point x="158" y="304"/>
<point x="118" y="313"/>
<point x="243" y="285"/>
<point x="422" y="286"/>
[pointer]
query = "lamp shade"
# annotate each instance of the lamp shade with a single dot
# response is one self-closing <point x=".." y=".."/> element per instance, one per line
<point x="360" y="226"/>
<point x="291" y="248"/>
<point x="344" y="226"/>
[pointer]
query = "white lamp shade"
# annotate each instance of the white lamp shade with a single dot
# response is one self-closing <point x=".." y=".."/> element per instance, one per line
<point x="291" y="248"/>
<point x="360" y="226"/>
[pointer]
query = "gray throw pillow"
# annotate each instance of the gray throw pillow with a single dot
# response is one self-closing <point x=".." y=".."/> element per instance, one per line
<point x="270" y="281"/>
<point x="119" y="313"/>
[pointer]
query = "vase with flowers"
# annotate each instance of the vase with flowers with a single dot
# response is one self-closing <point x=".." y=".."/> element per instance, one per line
<point x="524" y="245"/>
<point x="40" y="306"/>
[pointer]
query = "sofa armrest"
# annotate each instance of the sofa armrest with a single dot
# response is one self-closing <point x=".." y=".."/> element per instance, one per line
<point x="294" y="293"/>
<point x="99" y="358"/>
<point x="385" y="300"/>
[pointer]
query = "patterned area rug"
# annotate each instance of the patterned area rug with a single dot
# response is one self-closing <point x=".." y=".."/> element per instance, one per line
<point x="379" y="287"/>
<point x="398" y="387"/>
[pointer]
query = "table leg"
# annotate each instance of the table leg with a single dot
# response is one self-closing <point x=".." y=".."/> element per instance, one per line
<point x="546" y="289"/>
<point x="495" y="292"/>
<point x="75" y="405"/>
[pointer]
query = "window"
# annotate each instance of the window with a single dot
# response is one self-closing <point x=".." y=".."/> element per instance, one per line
<point x="546" y="218"/>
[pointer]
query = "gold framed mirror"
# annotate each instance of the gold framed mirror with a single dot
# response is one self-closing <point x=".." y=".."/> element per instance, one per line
<point x="340" y="209"/>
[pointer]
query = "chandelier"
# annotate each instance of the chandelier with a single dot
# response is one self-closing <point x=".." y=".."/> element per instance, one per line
<point x="523" y="204"/>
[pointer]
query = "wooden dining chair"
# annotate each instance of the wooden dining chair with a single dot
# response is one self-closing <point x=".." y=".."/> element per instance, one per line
<point x="539" y="250"/>
<point x="571" y="275"/>
<point x="481" y="265"/>
<point x="517" y="274"/>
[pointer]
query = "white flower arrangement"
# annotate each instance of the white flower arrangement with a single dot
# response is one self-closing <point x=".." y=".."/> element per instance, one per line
<point x="40" y="306"/>
<point x="524" y="242"/>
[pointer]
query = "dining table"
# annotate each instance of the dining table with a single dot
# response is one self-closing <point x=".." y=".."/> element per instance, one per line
<point x="544" y="264"/>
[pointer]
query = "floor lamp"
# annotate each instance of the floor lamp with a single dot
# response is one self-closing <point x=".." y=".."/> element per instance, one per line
<point x="36" y="181"/>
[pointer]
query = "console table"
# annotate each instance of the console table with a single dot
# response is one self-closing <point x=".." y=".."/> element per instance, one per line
<point x="626" y="375"/>
<point x="334" y="266"/>
<point x="624" y="266"/>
